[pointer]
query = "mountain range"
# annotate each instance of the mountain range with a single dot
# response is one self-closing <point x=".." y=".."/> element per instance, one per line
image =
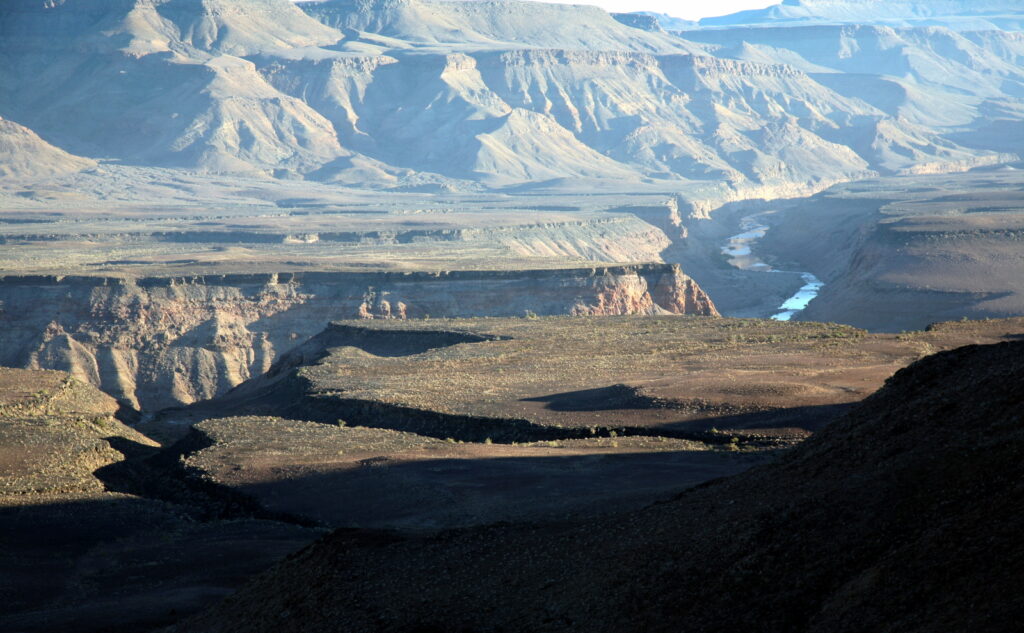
<point x="963" y="15"/>
<point x="406" y="94"/>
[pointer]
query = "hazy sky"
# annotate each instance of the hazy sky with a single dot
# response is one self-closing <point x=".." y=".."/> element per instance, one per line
<point x="689" y="9"/>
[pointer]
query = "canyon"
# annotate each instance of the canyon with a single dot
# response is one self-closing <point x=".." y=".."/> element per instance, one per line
<point x="406" y="159"/>
<point x="160" y="342"/>
<point x="428" y="315"/>
<point x="393" y="430"/>
<point x="902" y="253"/>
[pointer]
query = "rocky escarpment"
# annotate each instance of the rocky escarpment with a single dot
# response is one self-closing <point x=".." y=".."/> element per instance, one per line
<point x="642" y="21"/>
<point x="911" y="252"/>
<point x="606" y="238"/>
<point x="164" y="341"/>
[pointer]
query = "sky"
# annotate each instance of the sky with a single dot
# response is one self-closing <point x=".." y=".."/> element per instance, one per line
<point x="687" y="9"/>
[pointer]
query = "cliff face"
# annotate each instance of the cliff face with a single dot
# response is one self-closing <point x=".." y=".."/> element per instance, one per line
<point x="901" y="254"/>
<point x="160" y="342"/>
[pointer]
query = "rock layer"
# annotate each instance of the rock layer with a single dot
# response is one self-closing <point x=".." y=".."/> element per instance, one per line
<point x="160" y="342"/>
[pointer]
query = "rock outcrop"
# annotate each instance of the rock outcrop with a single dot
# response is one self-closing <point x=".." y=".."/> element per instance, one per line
<point x="54" y="433"/>
<point x="160" y="342"/>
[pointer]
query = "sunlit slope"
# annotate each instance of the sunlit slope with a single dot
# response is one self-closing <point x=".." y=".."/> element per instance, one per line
<point x="406" y="93"/>
<point x="491" y="23"/>
<point x="604" y="115"/>
<point x="23" y="155"/>
<point x="158" y="83"/>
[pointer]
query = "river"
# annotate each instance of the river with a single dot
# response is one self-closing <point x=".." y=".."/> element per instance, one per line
<point x="738" y="249"/>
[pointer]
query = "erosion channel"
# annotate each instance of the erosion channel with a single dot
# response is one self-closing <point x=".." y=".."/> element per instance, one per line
<point x="739" y="249"/>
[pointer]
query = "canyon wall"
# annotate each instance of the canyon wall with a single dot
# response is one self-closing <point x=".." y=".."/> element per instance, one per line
<point x="158" y="342"/>
<point x="900" y="254"/>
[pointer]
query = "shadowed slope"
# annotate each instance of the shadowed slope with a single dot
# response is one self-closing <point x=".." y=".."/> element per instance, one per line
<point x="79" y="554"/>
<point x="903" y="515"/>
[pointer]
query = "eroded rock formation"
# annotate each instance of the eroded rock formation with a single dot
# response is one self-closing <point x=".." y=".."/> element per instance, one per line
<point x="160" y="342"/>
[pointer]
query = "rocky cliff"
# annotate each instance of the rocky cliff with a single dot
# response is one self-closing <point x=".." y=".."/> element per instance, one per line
<point x="163" y="341"/>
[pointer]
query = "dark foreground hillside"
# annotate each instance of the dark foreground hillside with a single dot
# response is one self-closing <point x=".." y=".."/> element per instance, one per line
<point x="904" y="515"/>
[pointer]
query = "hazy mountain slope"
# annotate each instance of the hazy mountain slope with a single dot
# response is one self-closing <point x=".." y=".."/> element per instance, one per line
<point x="124" y="80"/>
<point x="658" y="116"/>
<point x="236" y="27"/>
<point x="900" y="516"/>
<point x="471" y="94"/>
<point x="491" y="23"/>
<point x="668" y="22"/>
<point x="932" y="77"/>
<point x="25" y="156"/>
<point x="530" y="147"/>
<point x="244" y="28"/>
<point x="966" y="15"/>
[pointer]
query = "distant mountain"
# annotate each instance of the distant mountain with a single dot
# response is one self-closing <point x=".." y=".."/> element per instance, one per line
<point x="930" y="77"/>
<point x="668" y="22"/>
<point x="961" y="15"/>
<point x="490" y="24"/>
<point x="411" y="93"/>
<point x="162" y="82"/>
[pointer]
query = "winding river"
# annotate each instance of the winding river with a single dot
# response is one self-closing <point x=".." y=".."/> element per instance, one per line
<point x="738" y="249"/>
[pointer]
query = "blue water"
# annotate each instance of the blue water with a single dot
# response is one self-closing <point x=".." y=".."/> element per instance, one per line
<point x="738" y="249"/>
